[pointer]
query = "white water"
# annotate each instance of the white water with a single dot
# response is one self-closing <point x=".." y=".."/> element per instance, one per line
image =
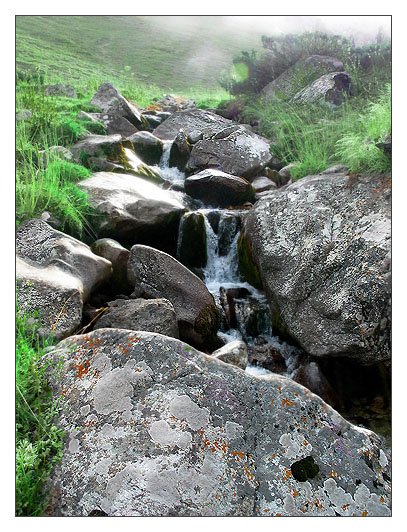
<point x="170" y="174"/>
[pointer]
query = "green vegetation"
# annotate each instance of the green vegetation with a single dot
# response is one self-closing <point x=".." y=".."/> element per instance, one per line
<point x="39" y="442"/>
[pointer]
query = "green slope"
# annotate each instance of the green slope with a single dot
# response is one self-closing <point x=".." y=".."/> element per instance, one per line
<point x="172" y="52"/>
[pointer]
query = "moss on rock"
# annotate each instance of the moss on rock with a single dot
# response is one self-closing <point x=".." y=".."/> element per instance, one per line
<point x="247" y="267"/>
<point x="304" y="469"/>
<point x="207" y="324"/>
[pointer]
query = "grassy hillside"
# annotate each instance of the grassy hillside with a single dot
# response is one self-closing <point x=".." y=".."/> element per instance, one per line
<point x="169" y="52"/>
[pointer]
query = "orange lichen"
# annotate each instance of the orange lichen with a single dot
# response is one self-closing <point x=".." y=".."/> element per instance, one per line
<point x="295" y="493"/>
<point x="364" y="513"/>
<point x="286" y="402"/>
<point x="333" y="473"/>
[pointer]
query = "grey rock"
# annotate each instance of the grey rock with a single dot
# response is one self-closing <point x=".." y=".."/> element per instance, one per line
<point x="332" y="88"/>
<point x="91" y="117"/>
<point x="337" y="169"/>
<point x="55" y="152"/>
<point x="234" y="353"/>
<point x="190" y="121"/>
<point x="322" y="247"/>
<point x="155" y="274"/>
<point x="111" y="102"/>
<point x="23" y="115"/>
<point x="148" y="147"/>
<point x="60" y="90"/>
<point x="263" y="183"/>
<point x="191" y="249"/>
<point x="285" y="173"/>
<point x="118" y="255"/>
<point x="97" y="151"/>
<point x="153" y="315"/>
<point x="233" y="150"/>
<point x="311" y="376"/>
<point x="156" y="428"/>
<point x="119" y="125"/>
<point x="153" y="120"/>
<point x="300" y="75"/>
<point x="55" y="275"/>
<point x="173" y="103"/>
<point x="217" y="188"/>
<point x="134" y="207"/>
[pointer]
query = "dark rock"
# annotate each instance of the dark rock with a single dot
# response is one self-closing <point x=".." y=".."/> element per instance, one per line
<point x="153" y="315"/>
<point x="285" y="173"/>
<point x="190" y="121"/>
<point x="97" y="151"/>
<point x="337" y="169"/>
<point x="156" y="274"/>
<point x="304" y="469"/>
<point x="385" y="146"/>
<point x="118" y="125"/>
<point x="153" y="120"/>
<point x="148" y="147"/>
<point x="311" y="376"/>
<point x="180" y="151"/>
<point x="111" y="102"/>
<point x="268" y="357"/>
<point x="263" y="183"/>
<point x="118" y="256"/>
<point x="217" y="188"/>
<point x="192" y="241"/>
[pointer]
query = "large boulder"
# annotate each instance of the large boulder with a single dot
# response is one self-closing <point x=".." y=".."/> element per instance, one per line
<point x="234" y="150"/>
<point x="98" y="151"/>
<point x="154" y="315"/>
<point x="111" y="102"/>
<point x="331" y="88"/>
<point x="155" y="428"/>
<point x="300" y="75"/>
<point x="155" y="274"/>
<point x="135" y="209"/>
<point x="192" y="241"/>
<point x="322" y="250"/>
<point x="190" y="121"/>
<point x="148" y="147"/>
<point x="55" y="275"/>
<point x="219" y="189"/>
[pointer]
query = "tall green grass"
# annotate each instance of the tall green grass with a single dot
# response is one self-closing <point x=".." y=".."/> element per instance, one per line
<point x="39" y="442"/>
<point x="318" y="136"/>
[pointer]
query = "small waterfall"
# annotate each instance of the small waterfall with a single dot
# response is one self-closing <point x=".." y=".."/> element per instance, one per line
<point x="169" y="174"/>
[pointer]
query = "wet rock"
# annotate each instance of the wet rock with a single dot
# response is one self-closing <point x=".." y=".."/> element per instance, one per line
<point x="173" y="103"/>
<point x="268" y="357"/>
<point x="300" y="75"/>
<point x="234" y="353"/>
<point x="229" y="225"/>
<point x="233" y="150"/>
<point x="328" y="277"/>
<point x="155" y="274"/>
<point x="135" y="209"/>
<point x="385" y="146"/>
<point x="155" y="428"/>
<point x="97" y="151"/>
<point x="154" y="121"/>
<point x="148" y="147"/>
<point x="331" y="88"/>
<point x="60" y="90"/>
<point x="192" y="241"/>
<point x="310" y="375"/>
<point x="118" y="256"/>
<point x="111" y="102"/>
<point x="180" y="151"/>
<point x="153" y="315"/>
<point x="217" y="188"/>
<point x="55" y="275"/>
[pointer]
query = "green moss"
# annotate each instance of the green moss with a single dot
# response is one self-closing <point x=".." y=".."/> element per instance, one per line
<point x="207" y="324"/>
<point x="304" y="469"/>
<point x="247" y="267"/>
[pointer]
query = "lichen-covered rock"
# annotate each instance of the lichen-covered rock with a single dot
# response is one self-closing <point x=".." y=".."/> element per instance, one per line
<point x="322" y="248"/>
<point x="55" y="275"/>
<point x="135" y="209"/>
<point x="300" y="75"/>
<point x="234" y="353"/>
<point x="156" y="428"/>
<point x="233" y="149"/>
<point x="155" y="274"/>
<point x="148" y="147"/>
<point x="154" y="315"/>
<point x="190" y="121"/>
<point x="113" y="103"/>
<point x="331" y="88"/>
<point x="219" y="189"/>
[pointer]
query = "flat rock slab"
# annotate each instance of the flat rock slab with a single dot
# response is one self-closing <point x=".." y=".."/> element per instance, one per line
<point x="55" y="274"/>
<point x="322" y="247"/>
<point x="133" y="206"/>
<point x="190" y="121"/>
<point x="156" y="428"/>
